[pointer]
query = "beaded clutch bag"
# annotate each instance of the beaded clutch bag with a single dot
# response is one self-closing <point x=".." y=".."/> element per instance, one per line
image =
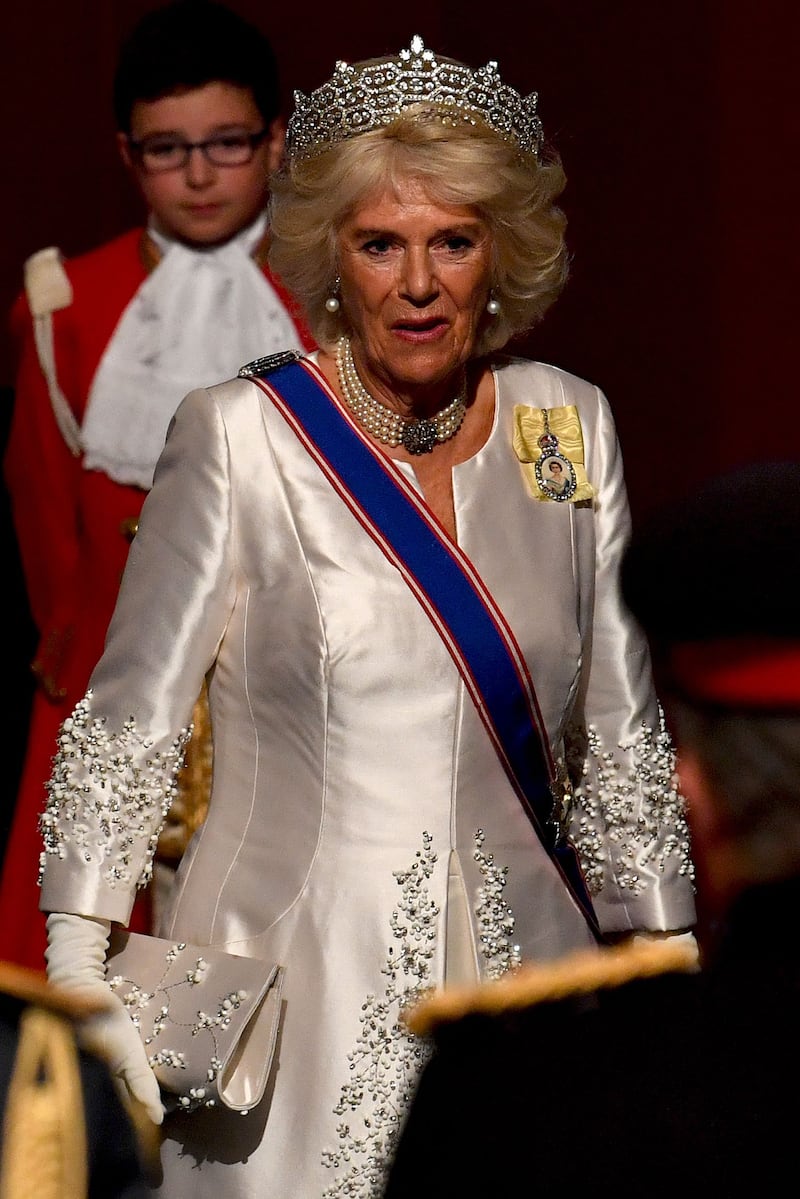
<point x="208" y="1019"/>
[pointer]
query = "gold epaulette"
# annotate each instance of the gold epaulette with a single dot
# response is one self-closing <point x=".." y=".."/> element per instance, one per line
<point x="574" y="974"/>
<point x="44" y="1149"/>
<point x="49" y="290"/>
<point x="47" y="284"/>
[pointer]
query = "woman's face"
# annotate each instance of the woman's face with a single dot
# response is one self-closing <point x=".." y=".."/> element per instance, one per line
<point x="415" y="277"/>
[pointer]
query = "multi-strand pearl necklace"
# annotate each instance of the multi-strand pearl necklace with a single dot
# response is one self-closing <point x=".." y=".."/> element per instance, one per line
<point x="417" y="436"/>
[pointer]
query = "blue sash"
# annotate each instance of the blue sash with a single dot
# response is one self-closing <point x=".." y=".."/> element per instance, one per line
<point x="446" y="584"/>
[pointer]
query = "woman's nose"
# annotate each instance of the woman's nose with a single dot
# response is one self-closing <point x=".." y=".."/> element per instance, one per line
<point x="419" y="281"/>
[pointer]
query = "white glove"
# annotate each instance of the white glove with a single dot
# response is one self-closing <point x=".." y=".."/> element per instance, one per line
<point x="76" y="955"/>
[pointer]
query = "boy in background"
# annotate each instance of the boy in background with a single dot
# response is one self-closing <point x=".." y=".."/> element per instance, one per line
<point x="108" y="344"/>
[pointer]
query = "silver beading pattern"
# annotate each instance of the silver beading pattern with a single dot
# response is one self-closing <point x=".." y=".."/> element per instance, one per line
<point x="388" y="426"/>
<point x="388" y="1059"/>
<point x="635" y="804"/>
<point x="137" y="1002"/>
<point x="495" y="919"/>
<point x="108" y="795"/>
<point x="361" y="97"/>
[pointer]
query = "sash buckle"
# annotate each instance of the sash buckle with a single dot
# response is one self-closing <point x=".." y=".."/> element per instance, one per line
<point x="269" y="363"/>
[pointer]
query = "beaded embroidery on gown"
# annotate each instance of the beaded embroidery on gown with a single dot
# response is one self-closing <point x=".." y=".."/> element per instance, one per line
<point x="362" y="831"/>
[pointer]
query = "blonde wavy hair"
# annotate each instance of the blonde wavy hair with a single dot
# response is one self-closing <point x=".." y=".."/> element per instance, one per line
<point x="458" y="163"/>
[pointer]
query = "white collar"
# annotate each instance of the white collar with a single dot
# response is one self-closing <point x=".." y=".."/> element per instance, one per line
<point x="198" y="317"/>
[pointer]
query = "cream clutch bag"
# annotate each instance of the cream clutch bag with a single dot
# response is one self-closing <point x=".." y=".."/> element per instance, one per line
<point x="208" y="1019"/>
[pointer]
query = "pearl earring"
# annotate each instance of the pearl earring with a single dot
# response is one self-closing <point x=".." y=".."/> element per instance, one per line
<point x="492" y="304"/>
<point x="332" y="302"/>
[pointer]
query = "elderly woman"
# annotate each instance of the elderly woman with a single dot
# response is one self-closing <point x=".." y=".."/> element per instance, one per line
<point x="437" y="749"/>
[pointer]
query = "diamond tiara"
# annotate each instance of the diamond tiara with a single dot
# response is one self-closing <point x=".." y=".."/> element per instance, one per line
<point x="370" y="95"/>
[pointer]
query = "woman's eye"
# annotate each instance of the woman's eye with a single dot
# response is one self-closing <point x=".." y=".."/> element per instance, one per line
<point x="376" y="245"/>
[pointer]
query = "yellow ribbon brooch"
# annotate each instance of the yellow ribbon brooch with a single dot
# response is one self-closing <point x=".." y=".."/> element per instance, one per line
<point x="549" y="444"/>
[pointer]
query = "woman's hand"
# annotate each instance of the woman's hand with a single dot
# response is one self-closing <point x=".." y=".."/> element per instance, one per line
<point x="76" y="956"/>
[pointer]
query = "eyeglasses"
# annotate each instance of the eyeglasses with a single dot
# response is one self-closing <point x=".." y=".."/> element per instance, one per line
<point x="164" y="153"/>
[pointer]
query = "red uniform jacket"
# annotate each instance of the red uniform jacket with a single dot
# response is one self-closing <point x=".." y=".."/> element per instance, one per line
<point x="74" y="528"/>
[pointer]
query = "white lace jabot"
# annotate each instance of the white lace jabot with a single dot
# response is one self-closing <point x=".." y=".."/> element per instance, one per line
<point x="198" y="317"/>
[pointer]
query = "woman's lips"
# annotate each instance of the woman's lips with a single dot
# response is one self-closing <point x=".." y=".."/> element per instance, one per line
<point x="428" y="330"/>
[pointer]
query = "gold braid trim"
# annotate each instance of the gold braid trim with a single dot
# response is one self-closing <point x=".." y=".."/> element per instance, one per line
<point x="574" y="974"/>
<point x="44" y="1153"/>
<point x="64" y="1008"/>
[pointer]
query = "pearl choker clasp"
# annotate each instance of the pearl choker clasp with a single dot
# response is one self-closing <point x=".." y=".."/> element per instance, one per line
<point x="387" y="426"/>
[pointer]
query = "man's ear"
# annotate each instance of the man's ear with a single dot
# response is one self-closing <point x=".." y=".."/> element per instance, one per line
<point x="125" y="151"/>
<point x="274" y="143"/>
<point x="700" y="807"/>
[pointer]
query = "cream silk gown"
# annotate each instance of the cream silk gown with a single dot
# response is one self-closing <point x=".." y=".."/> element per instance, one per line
<point x="361" y="830"/>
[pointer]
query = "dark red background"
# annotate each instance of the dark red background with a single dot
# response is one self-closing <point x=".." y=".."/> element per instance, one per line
<point x="678" y="125"/>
